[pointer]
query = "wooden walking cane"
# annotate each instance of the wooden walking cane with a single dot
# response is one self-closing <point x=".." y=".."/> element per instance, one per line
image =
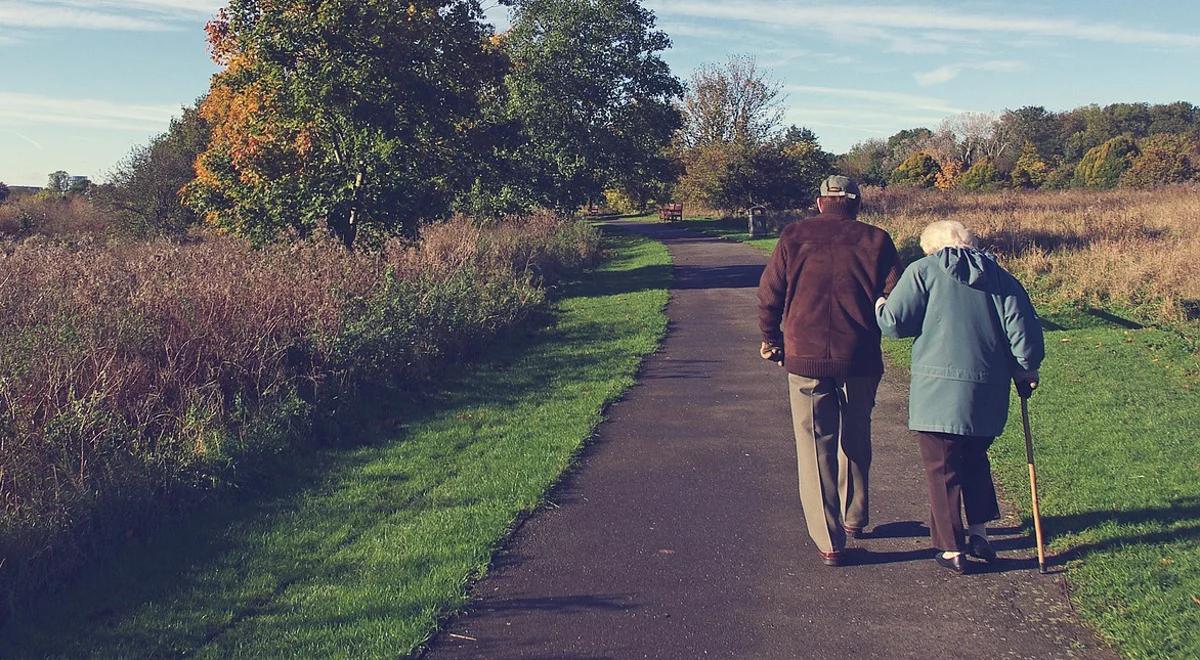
<point x="1037" y="514"/>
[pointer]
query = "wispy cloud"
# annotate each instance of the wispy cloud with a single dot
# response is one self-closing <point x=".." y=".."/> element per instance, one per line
<point x="122" y="15"/>
<point x="17" y="109"/>
<point x="892" y="99"/>
<point x="949" y="72"/>
<point x="910" y="19"/>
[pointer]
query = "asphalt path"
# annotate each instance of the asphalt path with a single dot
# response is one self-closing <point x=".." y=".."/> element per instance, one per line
<point x="680" y="533"/>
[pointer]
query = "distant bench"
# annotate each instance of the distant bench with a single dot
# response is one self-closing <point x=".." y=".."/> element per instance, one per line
<point x="670" y="212"/>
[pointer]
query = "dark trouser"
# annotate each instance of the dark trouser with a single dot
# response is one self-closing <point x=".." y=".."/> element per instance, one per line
<point x="957" y="469"/>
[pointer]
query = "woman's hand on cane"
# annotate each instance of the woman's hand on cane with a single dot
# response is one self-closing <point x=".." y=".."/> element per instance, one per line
<point x="1026" y="382"/>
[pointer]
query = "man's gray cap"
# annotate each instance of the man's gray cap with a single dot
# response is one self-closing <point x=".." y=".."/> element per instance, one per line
<point x="840" y="186"/>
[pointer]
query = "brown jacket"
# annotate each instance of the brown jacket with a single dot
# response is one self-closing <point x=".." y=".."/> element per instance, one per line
<point x="821" y="285"/>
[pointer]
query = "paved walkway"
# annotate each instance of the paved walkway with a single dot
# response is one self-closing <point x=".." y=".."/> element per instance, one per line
<point x="681" y="534"/>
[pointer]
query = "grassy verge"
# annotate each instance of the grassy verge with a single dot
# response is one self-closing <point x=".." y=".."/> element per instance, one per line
<point x="358" y="552"/>
<point x="1117" y="433"/>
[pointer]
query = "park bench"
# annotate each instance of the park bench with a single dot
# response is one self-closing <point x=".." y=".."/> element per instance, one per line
<point x="670" y="212"/>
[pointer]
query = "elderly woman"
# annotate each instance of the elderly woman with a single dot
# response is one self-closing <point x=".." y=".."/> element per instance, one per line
<point x="976" y="331"/>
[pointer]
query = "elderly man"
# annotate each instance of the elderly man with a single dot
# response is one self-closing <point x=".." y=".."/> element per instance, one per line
<point x="816" y="312"/>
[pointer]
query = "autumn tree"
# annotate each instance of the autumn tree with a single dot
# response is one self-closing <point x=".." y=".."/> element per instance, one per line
<point x="350" y="114"/>
<point x="593" y="96"/>
<point x="1030" y="170"/>
<point x="1162" y="159"/>
<point x="1102" y="166"/>
<point x="733" y="147"/>
<point x="920" y="169"/>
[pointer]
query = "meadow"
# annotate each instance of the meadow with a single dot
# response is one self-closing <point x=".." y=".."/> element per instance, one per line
<point x="1117" y="421"/>
<point x="140" y="379"/>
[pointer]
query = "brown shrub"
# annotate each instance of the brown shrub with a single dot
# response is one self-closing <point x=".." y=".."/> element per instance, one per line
<point x="47" y="214"/>
<point x="137" y="375"/>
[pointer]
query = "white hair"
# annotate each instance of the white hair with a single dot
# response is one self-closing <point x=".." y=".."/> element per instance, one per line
<point x="944" y="234"/>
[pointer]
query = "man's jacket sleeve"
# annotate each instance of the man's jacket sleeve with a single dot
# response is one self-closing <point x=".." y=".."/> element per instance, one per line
<point x="904" y="313"/>
<point x="772" y="296"/>
<point x="890" y="268"/>
<point x="1024" y="328"/>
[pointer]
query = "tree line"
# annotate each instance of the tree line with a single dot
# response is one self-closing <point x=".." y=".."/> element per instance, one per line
<point x="1121" y="144"/>
<point x="371" y="118"/>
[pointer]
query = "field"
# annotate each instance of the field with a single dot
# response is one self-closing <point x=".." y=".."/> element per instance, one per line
<point x="1117" y="423"/>
<point x="357" y="552"/>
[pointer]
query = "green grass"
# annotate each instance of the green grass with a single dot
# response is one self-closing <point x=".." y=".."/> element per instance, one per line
<point x="357" y="553"/>
<point x="1117" y="436"/>
<point x="733" y="229"/>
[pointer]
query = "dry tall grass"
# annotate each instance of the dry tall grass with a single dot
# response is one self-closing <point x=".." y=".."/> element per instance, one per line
<point x="1133" y="248"/>
<point x="136" y="375"/>
<point x="45" y="214"/>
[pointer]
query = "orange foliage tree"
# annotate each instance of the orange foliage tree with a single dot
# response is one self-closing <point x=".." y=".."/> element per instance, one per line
<point x="355" y="115"/>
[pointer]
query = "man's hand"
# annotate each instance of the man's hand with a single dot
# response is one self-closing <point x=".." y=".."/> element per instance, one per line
<point x="771" y="352"/>
<point x="1026" y="382"/>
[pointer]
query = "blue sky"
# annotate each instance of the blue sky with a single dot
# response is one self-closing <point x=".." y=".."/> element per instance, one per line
<point x="83" y="81"/>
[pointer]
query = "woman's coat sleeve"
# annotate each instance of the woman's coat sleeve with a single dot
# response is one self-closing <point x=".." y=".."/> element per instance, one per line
<point x="1024" y="328"/>
<point x="904" y="313"/>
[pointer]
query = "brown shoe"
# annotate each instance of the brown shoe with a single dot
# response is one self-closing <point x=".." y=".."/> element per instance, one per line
<point x="834" y="558"/>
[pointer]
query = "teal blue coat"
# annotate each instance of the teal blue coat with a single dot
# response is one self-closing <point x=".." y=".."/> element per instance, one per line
<point x="975" y="326"/>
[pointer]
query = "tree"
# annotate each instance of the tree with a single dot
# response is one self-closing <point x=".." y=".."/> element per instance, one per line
<point x="1030" y="171"/>
<point x="906" y="142"/>
<point x="783" y="173"/>
<point x="867" y="162"/>
<point x="59" y="182"/>
<point x="978" y="135"/>
<point x="79" y="185"/>
<point x="1034" y="125"/>
<point x="4" y="192"/>
<point x="981" y="176"/>
<point x="145" y="188"/>
<point x="733" y="102"/>
<point x="920" y="169"/>
<point x="1102" y="166"/>
<point x="353" y="115"/>
<point x="1175" y="118"/>
<point x="592" y="93"/>
<point x="1162" y="159"/>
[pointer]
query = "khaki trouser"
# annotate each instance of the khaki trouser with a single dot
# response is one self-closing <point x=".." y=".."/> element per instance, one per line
<point x="832" y="422"/>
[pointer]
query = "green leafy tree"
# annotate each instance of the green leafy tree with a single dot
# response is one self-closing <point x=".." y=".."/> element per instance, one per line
<point x="980" y="176"/>
<point x="592" y="94"/>
<point x="906" y="142"/>
<point x="1102" y="166"/>
<point x="1034" y="125"/>
<point x="350" y="114"/>
<point x="1030" y="170"/>
<point x="1162" y="159"/>
<point x="919" y="169"/>
<point x="59" y="182"/>
<point x="866" y="162"/>
<point x="783" y="173"/>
